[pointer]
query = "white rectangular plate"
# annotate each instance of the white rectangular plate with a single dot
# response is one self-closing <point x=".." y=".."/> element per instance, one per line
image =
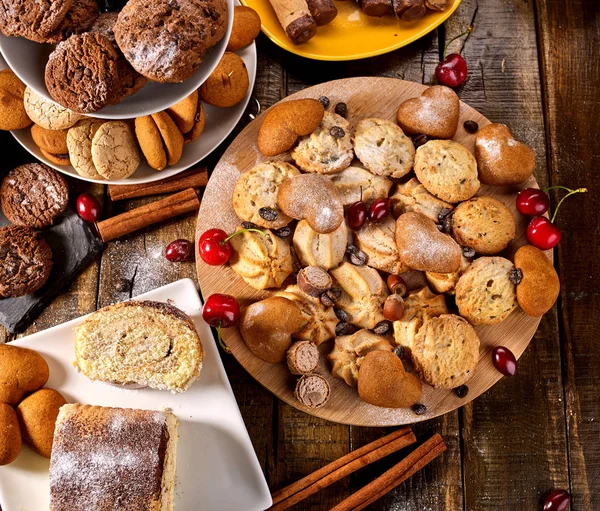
<point x="217" y="468"/>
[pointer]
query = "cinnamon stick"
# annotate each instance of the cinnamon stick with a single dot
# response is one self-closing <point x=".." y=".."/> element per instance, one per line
<point x="138" y="218"/>
<point x="376" y="489"/>
<point x="340" y="468"/>
<point x="191" y="178"/>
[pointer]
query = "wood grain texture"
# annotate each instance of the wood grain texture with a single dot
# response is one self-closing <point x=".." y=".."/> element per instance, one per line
<point x="569" y="35"/>
<point x="365" y="97"/>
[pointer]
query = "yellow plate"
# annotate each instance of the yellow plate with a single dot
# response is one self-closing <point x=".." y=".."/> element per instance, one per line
<point x="352" y="34"/>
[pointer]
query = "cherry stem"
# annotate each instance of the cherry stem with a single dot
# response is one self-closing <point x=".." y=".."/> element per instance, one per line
<point x="241" y="231"/>
<point x="468" y="31"/>
<point x="571" y="192"/>
<point x="221" y="342"/>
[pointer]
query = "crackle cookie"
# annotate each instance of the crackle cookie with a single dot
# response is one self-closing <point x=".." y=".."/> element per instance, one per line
<point x="114" y="150"/>
<point x="46" y="113"/>
<point x="255" y="194"/>
<point x="355" y="184"/>
<point x="79" y="144"/>
<point x="33" y="195"/>
<point x="12" y="110"/>
<point x="82" y="73"/>
<point x="483" y="224"/>
<point x="25" y="261"/>
<point x="383" y="148"/>
<point x="485" y="294"/>
<point x="447" y="169"/>
<point x="446" y="351"/>
<point x="327" y="149"/>
<point x="413" y="196"/>
<point x="31" y="19"/>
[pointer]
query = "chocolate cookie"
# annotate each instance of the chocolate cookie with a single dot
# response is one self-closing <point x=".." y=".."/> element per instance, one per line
<point x="31" y="19"/>
<point x="165" y="41"/>
<point x="82" y="72"/>
<point x="25" y="261"/>
<point x="78" y="19"/>
<point x="33" y="195"/>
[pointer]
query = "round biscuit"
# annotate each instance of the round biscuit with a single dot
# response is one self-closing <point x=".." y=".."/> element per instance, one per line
<point x="79" y="143"/>
<point x="114" y="150"/>
<point x="12" y="110"/>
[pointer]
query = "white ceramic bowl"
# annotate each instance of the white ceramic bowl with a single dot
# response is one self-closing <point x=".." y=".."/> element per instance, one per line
<point x="28" y="60"/>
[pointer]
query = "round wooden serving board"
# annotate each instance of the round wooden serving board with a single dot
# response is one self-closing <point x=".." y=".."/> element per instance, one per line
<point x="365" y="97"/>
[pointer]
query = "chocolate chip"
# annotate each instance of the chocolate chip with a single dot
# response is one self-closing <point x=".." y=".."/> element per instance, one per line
<point x="337" y="132"/>
<point x="351" y="249"/>
<point x="468" y="252"/>
<point x="358" y="258"/>
<point x="324" y="100"/>
<point x="342" y="315"/>
<point x="461" y="391"/>
<point x="516" y="276"/>
<point x="447" y="225"/>
<point x="419" y="140"/>
<point x="123" y="286"/>
<point x="342" y="328"/>
<point x="341" y="109"/>
<point x="400" y="352"/>
<point x="440" y="227"/>
<point x="249" y="225"/>
<point x="471" y="126"/>
<point x="283" y="232"/>
<point x="327" y="300"/>
<point x="419" y="409"/>
<point x="444" y="213"/>
<point x="383" y="327"/>
<point x="268" y="214"/>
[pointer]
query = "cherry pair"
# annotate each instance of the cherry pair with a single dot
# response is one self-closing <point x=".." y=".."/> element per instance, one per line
<point x="357" y="213"/>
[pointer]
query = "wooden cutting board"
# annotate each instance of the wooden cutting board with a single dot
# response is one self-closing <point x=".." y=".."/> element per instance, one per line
<point x="365" y="97"/>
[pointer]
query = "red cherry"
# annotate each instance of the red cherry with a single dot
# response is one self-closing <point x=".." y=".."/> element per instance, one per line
<point x="558" y="500"/>
<point x="542" y="233"/>
<point x="178" y="250"/>
<point x="214" y="247"/>
<point x="452" y="71"/>
<point x="88" y="207"/>
<point x="379" y="209"/>
<point x="356" y="215"/>
<point x="504" y="361"/>
<point x="221" y="311"/>
<point x="532" y="202"/>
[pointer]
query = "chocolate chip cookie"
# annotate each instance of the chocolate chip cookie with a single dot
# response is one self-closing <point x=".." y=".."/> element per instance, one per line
<point x="32" y="19"/>
<point x="33" y="195"/>
<point x="165" y="41"/>
<point x="78" y="19"/>
<point x="25" y="261"/>
<point x="82" y="72"/>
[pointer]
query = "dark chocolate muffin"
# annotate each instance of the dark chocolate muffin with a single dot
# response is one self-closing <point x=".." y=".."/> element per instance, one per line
<point x="33" y="195"/>
<point x="25" y="261"/>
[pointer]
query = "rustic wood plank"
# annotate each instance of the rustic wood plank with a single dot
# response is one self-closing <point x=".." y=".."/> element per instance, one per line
<point x="514" y="435"/>
<point x="569" y="35"/>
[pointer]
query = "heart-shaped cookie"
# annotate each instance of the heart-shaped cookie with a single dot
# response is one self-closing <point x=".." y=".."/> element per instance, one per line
<point x="312" y="197"/>
<point x="502" y="160"/>
<point x="287" y="121"/>
<point x="434" y="113"/>
<point x="423" y="247"/>
<point x="539" y="287"/>
<point x="21" y="370"/>
<point x="382" y="381"/>
<point x="267" y="327"/>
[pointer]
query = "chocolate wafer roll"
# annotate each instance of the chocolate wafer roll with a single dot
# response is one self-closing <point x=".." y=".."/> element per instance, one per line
<point x="409" y="10"/>
<point x="295" y="18"/>
<point x="376" y="8"/>
<point x="322" y="11"/>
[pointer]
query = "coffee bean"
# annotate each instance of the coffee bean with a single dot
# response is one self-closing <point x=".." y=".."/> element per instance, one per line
<point x="471" y="126"/>
<point x="516" y="276"/>
<point x="461" y="391"/>
<point x="468" y="252"/>
<point x="269" y="214"/>
<point x="359" y="258"/>
<point x="283" y="232"/>
<point x="444" y="213"/>
<point x="342" y="315"/>
<point x="249" y="225"/>
<point x="440" y="227"/>
<point x="342" y="328"/>
<point x="419" y="140"/>
<point x="382" y="328"/>
<point x="399" y="351"/>
<point x="351" y="249"/>
<point x="324" y="100"/>
<point x="447" y="225"/>
<point x="419" y="409"/>
<point x="327" y="300"/>
<point x="341" y="109"/>
<point x="335" y="292"/>
<point x="337" y="132"/>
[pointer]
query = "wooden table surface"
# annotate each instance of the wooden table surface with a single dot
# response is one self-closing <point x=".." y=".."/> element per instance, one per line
<point x="534" y="65"/>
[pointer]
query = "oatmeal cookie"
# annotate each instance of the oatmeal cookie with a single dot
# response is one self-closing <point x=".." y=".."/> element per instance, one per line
<point x="328" y="149"/>
<point x="355" y="183"/>
<point x="447" y="170"/>
<point x="383" y="148"/>
<point x="33" y="195"/>
<point x="25" y="261"/>
<point x="485" y="294"/>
